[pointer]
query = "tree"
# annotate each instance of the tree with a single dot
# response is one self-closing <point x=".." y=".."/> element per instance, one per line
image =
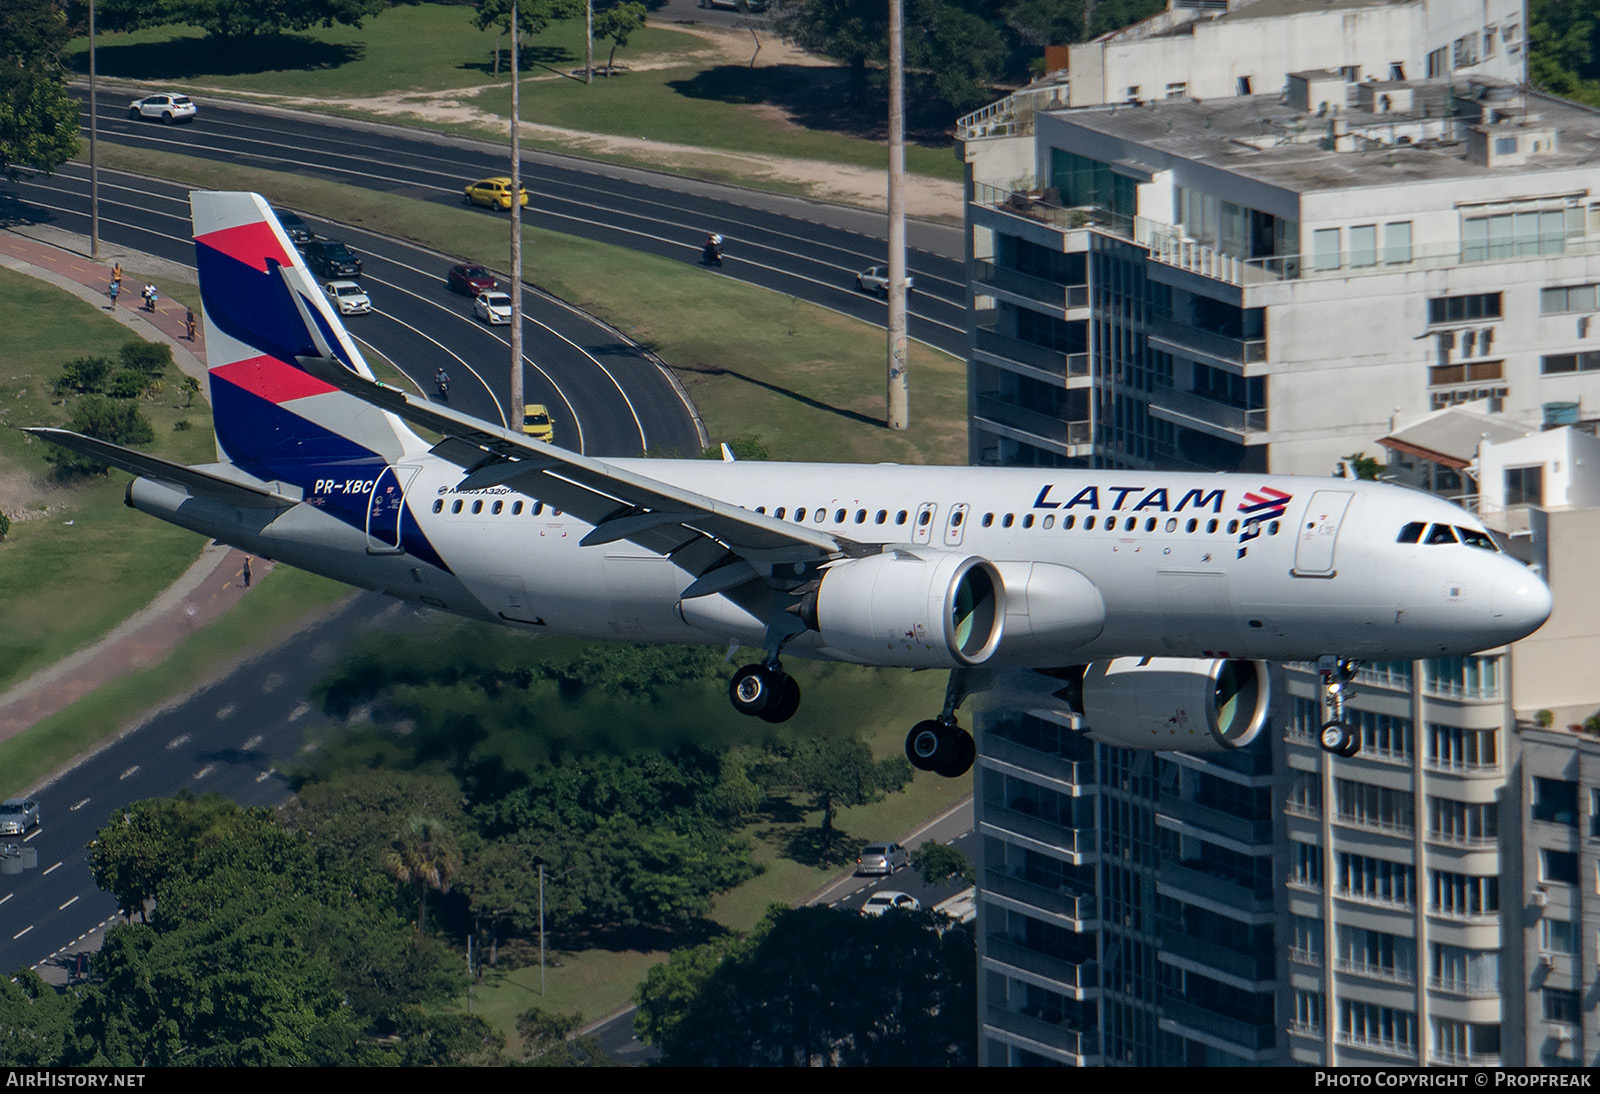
<point x="835" y="772"/>
<point x="38" y="120"/>
<point x="938" y="862"/>
<point x="817" y="986"/>
<point x="235" y="20"/>
<point x="424" y="854"/>
<point x="617" y="23"/>
<point x="35" y="1021"/>
<point x="533" y="16"/>
<point x="1564" y="48"/>
<point x="98" y="416"/>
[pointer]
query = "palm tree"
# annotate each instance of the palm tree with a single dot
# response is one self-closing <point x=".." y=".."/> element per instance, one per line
<point x="425" y="854"/>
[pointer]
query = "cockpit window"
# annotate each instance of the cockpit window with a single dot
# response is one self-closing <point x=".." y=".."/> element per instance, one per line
<point x="1412" y="532"/>
<point x="1473" y="538"/>
<point x="1440" y="533"/>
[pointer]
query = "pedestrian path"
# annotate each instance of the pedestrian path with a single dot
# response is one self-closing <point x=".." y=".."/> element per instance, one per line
<point x="216" y="581"/>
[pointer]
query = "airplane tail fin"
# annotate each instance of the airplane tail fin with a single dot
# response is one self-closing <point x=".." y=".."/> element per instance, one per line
<point x="262" y="309"/>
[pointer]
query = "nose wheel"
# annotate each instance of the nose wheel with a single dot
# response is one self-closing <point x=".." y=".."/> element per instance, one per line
<point x="1338" y="736"/>
<point x="765" y="692"/>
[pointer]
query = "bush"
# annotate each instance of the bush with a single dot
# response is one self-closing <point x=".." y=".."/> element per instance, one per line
<point x="151" y="359"/>
<point x="86" y="375"/>
<point x="128" y="384"/>
<point x="180" y="425"/>
<point x="98" y="416"/>
<point x="5" y="525"/>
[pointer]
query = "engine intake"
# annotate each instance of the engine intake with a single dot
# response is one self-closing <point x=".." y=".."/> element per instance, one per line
<point x="910" y="611"/>
<point x="1176" y="702"/>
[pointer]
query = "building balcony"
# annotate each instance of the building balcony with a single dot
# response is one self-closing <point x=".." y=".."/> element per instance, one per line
<point x="1026" y="829"/>
<point x="1069" y="908"/>
<point x="1075" y="777"/>
<point x="1016" y="960"/>
<point x="1210" y="1026"/>
<point x="1056" y="366"/>
<point x="1029" y="289"/>
<point x="1193" y="815"/>
<point x="1192" y="881"/>
<point x="1221" y="959"/>
<point x="1029" y="426"/>
<point x="1051" y="1038"/>
<point x="1207" y="415"/>
<point x="1180" y="338"/>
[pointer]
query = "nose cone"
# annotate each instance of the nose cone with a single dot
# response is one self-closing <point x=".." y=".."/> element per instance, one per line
<point x="1522" y="601"/>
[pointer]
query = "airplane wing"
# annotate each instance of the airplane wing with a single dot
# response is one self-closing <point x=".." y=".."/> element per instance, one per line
<point x="724" y="544"/>
<point x="196" y="480"/>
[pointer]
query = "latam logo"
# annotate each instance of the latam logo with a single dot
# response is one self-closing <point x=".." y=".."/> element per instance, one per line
<point x="1258" y="507"/>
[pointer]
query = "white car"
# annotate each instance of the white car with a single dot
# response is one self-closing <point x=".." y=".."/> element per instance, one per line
<point x="493" y="307"/>
<point x="875" y="279"/>
<point x="169" y="106"/>
<point x="888" y="900"/>
<point x="350" y="298"/>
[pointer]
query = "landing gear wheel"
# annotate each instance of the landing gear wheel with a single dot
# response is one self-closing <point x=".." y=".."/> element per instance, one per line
<point x="929" y="745"/>
<point x="755" y="689"/>
<point x="966" y="751"/>
<point x="1340" y="738"/>
<point x="785" y="702"/>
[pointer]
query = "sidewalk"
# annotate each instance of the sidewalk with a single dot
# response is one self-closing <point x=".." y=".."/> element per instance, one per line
<point x="209" y="587"/>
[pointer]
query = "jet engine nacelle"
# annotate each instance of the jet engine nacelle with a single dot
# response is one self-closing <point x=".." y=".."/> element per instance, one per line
<point x="906" y="610"/>
<point x="1175" y="702"/>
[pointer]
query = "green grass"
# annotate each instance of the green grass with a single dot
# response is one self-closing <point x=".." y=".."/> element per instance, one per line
<point x="697" y="99"/>
<point x="279" y="603"/>
<point x="77" y="561"/>
<point x="809" y="381"/>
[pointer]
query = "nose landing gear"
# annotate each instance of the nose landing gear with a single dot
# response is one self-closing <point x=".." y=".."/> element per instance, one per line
<point x="1338" y="736"/>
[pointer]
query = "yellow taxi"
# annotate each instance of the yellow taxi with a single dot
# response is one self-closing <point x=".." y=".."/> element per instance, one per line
<point x="494" y="193"/>
<point x="536" y="423"/>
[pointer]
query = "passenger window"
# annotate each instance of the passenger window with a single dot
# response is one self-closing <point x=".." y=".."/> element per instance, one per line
<point x="900" y="517"/>
<point x="1172" y="524"/>
<point x="1005" y="521"/>
<point x="1150" y="524"/>
<point x="819" y="516"/>
<point x="988" y="520"/>
<point x="1130" y="524"/>
<point x="883" y="515"/>
<point x="477" y="507"/>
<point x="838" y="516"/>
<point x="762" y="509"/>
<point x="1440" y="533"/>
<point x="1088" y="524"/>
<point x="924" y="517"/>
<point x="1474" y="538"/>
<point x="1411" y="533"/>
<point x="1233" y="526"/>
<point x="1192" y="525"/>
<point x="538" y="508"/>
<point x="955" y="518"/>
<point x="499" y="505"/>
<point x="779" y="511"/>
<point x="1211" y="525"/>
<point x="516" y="508"/>
<point x="455" y="506"/>
<point x="1272" y="529"/>
<point x="1069" y="522"/>
<point x="861" y="516"/>
<point x="799" y="515"/>
<point x="1027" y="520"/>
<point x="438" y="505"/>
<point x="1049" y="520"/>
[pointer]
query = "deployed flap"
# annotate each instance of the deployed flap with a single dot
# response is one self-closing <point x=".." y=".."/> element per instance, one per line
<point x="196" y="481"/>
<point x="619" y="503"/>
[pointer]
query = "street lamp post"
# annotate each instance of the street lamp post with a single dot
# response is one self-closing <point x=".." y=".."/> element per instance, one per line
<point x="899" y="394"/>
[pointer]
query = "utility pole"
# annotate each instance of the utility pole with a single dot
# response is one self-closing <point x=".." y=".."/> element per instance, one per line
<point x="588" y="42"/>
<point x="899" y="397"/>
<point x="94" y="161"/>
<point x="516" y="224"/>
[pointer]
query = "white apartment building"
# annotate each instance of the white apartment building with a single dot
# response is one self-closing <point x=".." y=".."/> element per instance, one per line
<point x="1262" y="284"/>
<point x="1216" y="49"/>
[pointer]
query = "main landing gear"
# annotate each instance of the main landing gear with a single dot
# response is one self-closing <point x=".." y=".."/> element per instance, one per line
<point x="1338" y="736"/>
<point x="765" y="691"/>
<point x="939" y="744"/>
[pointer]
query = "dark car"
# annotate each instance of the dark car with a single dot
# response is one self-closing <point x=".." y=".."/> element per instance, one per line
<point x="469" y="280"/>
<point x="331" y="258"/>
<point x="294" y="227"/>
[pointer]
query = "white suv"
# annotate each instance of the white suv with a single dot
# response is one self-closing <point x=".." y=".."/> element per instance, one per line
<point x="168" y="106"/>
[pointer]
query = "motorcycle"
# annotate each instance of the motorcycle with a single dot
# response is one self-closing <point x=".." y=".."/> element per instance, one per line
<point x="442" y="383"/>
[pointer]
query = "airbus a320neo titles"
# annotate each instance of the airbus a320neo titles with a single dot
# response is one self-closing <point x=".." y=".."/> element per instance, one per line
<point x="1144" y="602"/>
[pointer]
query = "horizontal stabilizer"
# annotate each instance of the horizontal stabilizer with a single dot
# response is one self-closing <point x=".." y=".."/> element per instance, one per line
<point x="197" y="482"/>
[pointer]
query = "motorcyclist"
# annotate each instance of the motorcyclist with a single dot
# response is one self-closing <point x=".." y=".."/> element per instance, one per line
<point x="713" y="250"/>
<point x="441" y="380"/>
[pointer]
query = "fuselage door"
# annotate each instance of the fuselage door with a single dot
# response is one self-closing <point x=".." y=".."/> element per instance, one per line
<point x="955" y="525"/>
<point x="922" y="532"/>
<point x="1319" y="530"/>
<point x="384" y="508"/>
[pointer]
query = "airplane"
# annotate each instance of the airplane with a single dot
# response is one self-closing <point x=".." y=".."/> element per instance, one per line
<point x="1143" y="602"/>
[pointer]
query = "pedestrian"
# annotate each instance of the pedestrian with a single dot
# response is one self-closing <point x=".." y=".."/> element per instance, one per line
<point x="144" y="294"/>
<point x="116" y="287"/>
<point x="116" y="272"/>
<point x="246" y="571"/>
<point x="188" y="326"/>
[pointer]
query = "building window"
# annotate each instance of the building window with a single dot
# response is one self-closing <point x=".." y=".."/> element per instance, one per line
<point x="1558" y="866"/>
<point x="1376" y="880"/>
<point x="1556" y="936"/>
<point x="1305" y="868"/>
<point x="1364" y="245"/>
<point x="1374" y="806"/>
<point x="1382" y="1027"/>
<point x="1460" y="309"/>
<point x="1561" y="1005"/>
<point x="1439" y="62"/>
<point x="1457" y="749"/>
<point x="1560" y="299"/>
<point x="1308" y="1011"/>
<point x="1397" y="242"/>
<point x="1464" y="971"/>
<point x="1325" y="249"/>
<point x="1463" y="678"/>
<point x="1525" y="485"/>
<point x="1518" y="234"/>
<point x="1374" y="953"/>
<point x="1555" y="364"/>
<point x="1465" y="823"/>
<point x="1463" y="895"/>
